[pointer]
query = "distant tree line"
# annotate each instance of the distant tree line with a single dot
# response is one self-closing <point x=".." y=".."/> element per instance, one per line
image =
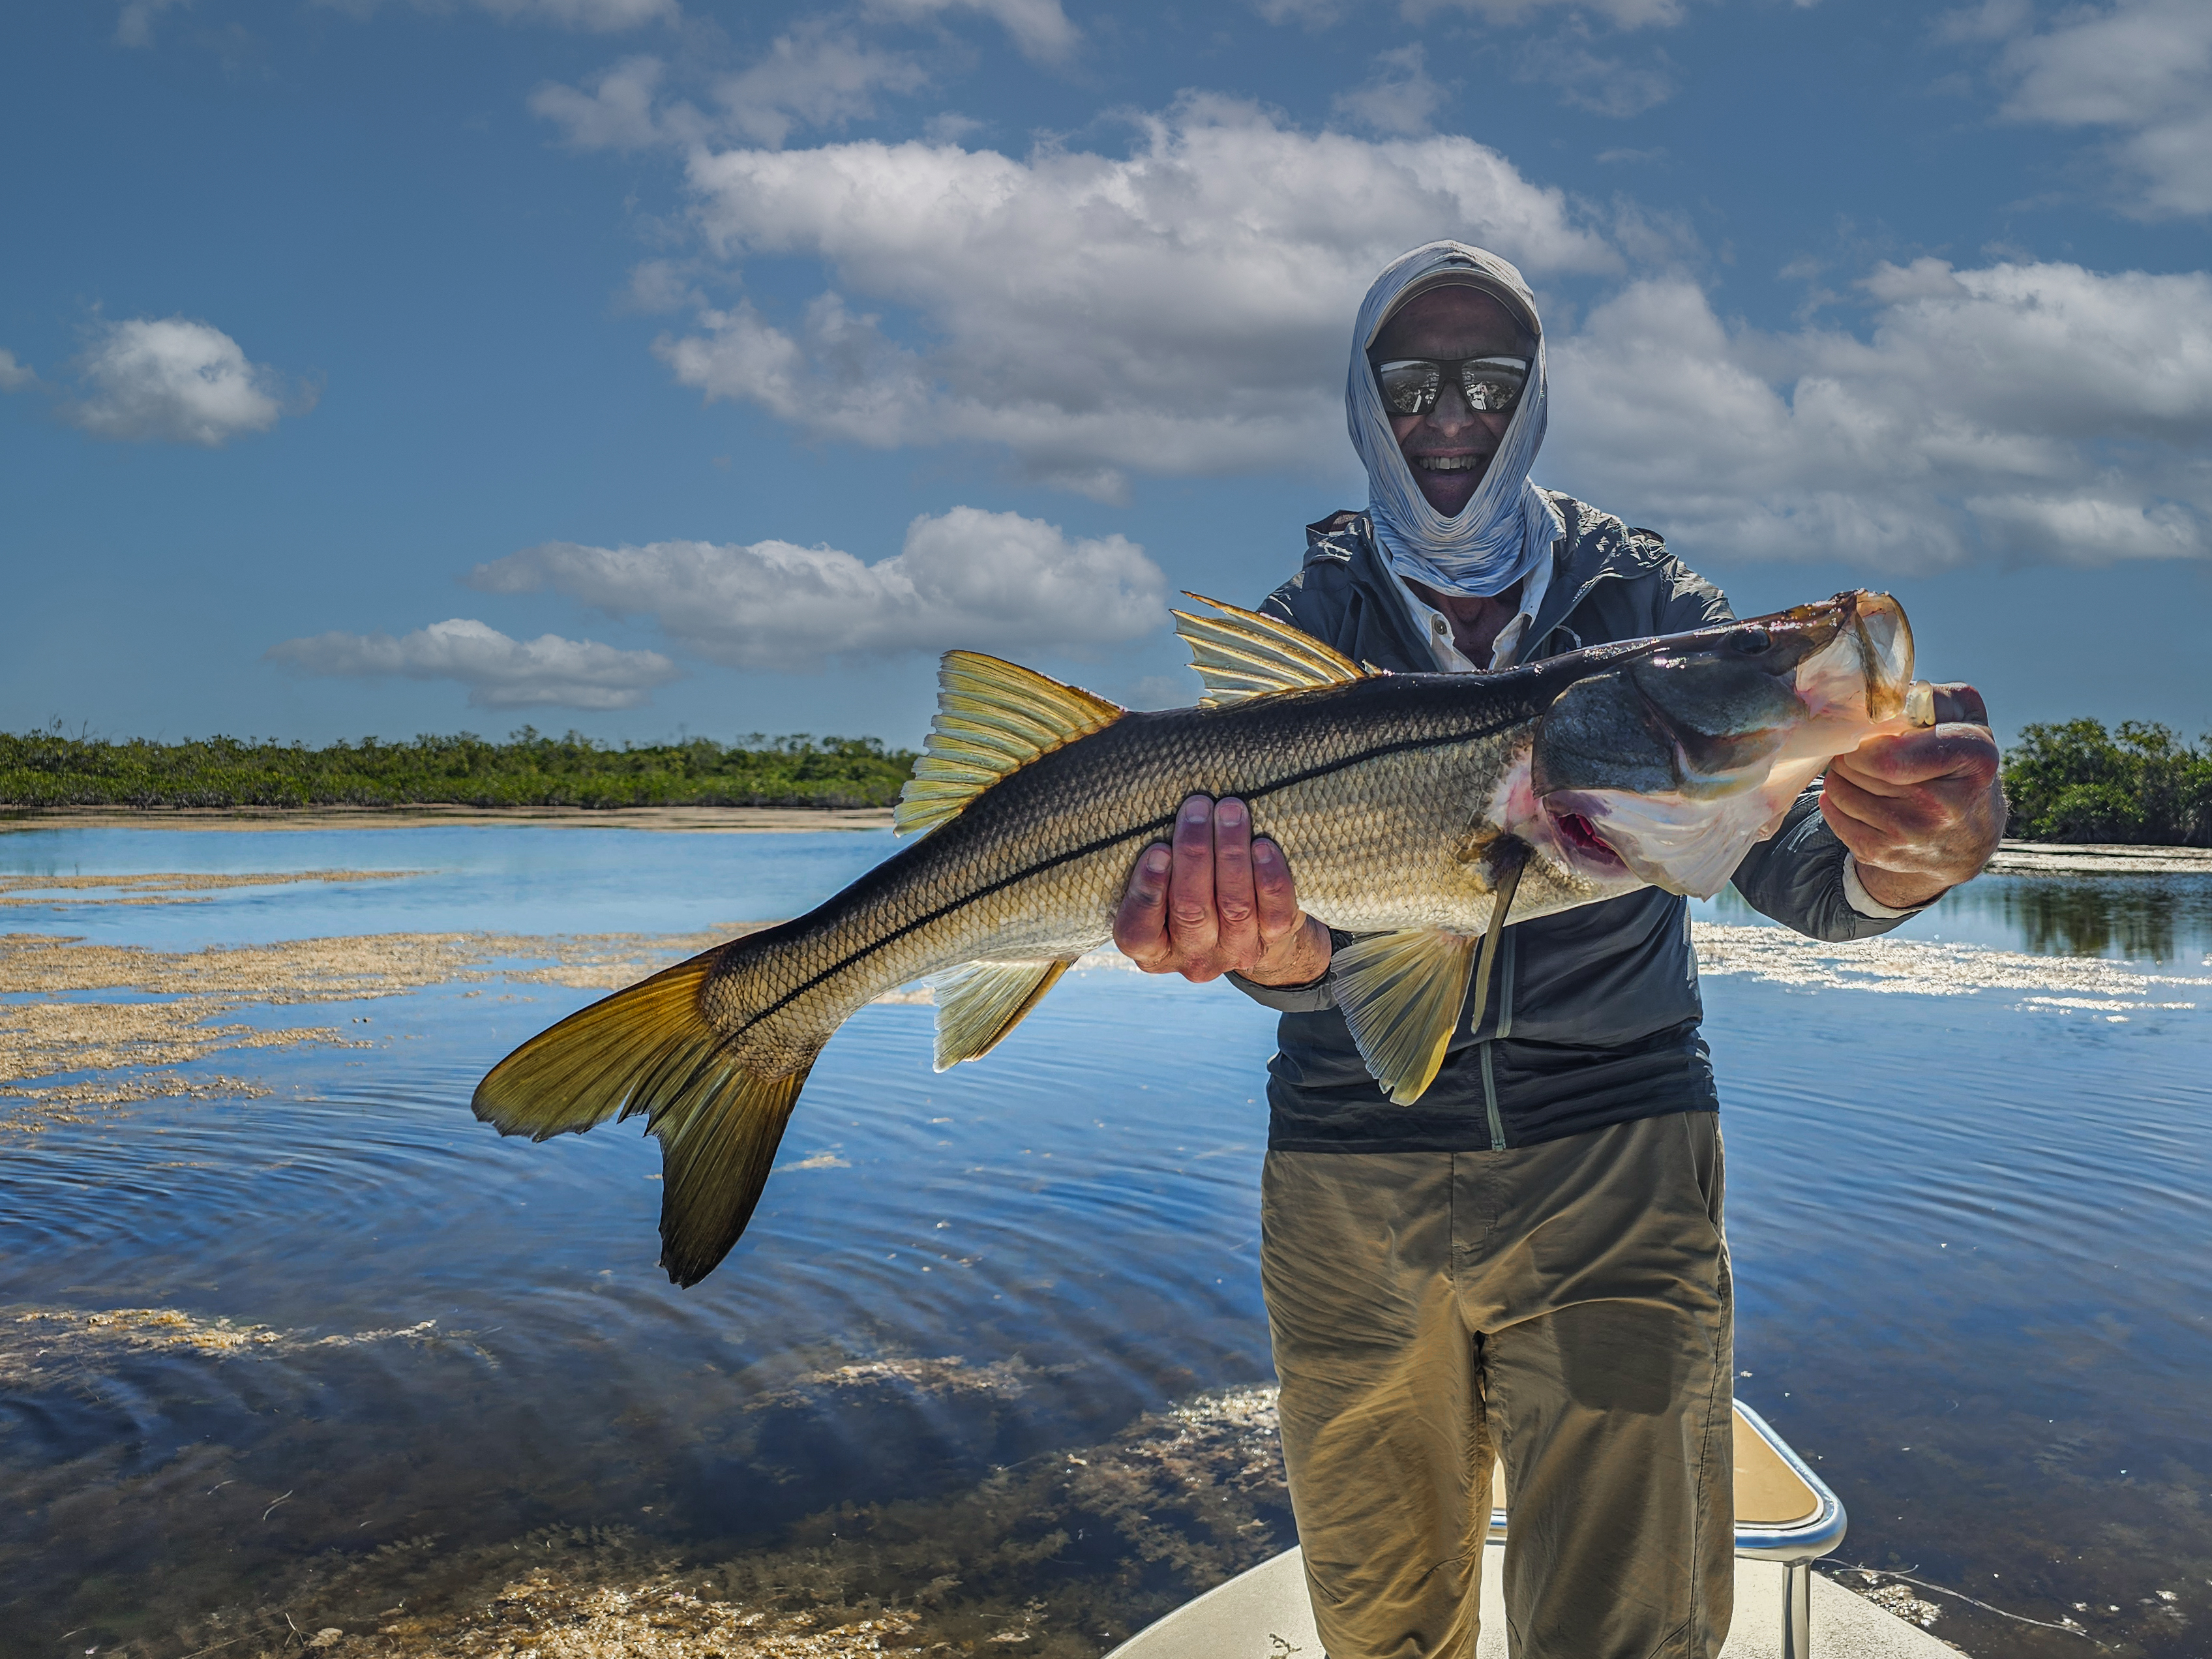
<point x="2142" y="784"/>
<point x="2075" y="781"/>
<point x="50" y="768"/>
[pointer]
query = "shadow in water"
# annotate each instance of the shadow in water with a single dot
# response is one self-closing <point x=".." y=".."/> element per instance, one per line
<point x="2136" y="918"/>
<point x="2140" y="918"/>
<point x="1061" y="1554"/>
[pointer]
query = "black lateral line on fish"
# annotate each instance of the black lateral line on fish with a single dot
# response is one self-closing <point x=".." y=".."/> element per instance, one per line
<point x="1380" y="752"/>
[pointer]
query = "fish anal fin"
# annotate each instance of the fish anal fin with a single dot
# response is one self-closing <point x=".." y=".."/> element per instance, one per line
<point x="1401" y="993"/>
<point x="650" y="1049"/>
<point x="717" y="1137"/>
<point x="979" y="1002"/>
<point x="992" y="717"/>
<point x="1242" y="653"/>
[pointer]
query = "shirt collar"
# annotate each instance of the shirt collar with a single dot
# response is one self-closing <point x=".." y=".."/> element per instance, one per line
<point x="1436" y="627"/>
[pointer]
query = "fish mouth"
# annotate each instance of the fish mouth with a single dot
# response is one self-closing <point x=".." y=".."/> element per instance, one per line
<point x="1579" y="836"/>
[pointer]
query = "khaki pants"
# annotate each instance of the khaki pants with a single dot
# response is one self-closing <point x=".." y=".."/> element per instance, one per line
<point x="1566" y="1307"/>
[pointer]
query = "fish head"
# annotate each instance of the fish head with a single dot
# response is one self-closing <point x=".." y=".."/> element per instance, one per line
<point x="1670" y="759"/>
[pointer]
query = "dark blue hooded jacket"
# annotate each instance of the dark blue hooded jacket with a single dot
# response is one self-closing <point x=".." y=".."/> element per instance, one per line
<point x="1592" y="1016"/>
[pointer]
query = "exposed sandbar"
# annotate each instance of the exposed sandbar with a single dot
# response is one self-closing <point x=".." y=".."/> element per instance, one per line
<point x="2051" y="858"/>
<point x="186" y="887"/>
<point x="53" y="1024"/>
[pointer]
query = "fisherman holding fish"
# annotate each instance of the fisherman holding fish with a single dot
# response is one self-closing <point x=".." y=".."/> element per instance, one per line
<point x="1492" y="1203"/>
<point x="1528" y="1263"/>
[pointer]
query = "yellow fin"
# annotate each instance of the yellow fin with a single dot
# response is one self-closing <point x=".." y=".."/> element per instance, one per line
<point x="979" y="1002"/>
<point x="992" y="717"/>
<point x="650" y="1049"/>
<point x="1402" y="994"/>
<point x="1241" y="654"/>
<point x="717" y="1140"/>
<point x="609" y="1058"/>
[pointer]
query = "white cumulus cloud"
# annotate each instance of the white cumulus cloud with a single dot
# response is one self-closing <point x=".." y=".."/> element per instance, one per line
<point x="595" y="16"/>
<point x="814" y="76"/>
<point x="586" y="17"/>
<point x="2140" y="69"/>
<point x="2040" y="411"/>
<point x="1039" y="27"/>
<point x="173" y="380"/>
<point x="500" y="672"/>
<point x="985" y="581"/>
<point x="1621" y="14"/>
<point x="1182" y="309"/>
<point x="13" y="375"/>
<point x="1398" y="97"/>
<point x="1617" y="87"/>
<point x="619" y="111"/>
<point x="133" y="24"/>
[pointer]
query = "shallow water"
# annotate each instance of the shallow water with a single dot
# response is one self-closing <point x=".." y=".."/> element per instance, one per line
<point x="381" y="1356"/>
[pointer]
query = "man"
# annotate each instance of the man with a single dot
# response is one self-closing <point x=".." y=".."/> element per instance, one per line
<point x="1529" y="1263"/>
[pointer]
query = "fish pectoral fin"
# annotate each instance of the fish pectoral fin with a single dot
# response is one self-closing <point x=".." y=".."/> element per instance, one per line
<point x="650" y="1049"/>
<point x="1401" y="993"/>
<point x="979" y="1002"/>
<point x="1241" y="654"/>
<point x="992" y="717"/>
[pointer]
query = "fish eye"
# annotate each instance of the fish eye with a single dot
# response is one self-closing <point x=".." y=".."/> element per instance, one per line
<point x="1749" y="641"/>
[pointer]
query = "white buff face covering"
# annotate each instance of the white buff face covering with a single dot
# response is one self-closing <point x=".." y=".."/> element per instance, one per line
<point x="1507" y="525"/>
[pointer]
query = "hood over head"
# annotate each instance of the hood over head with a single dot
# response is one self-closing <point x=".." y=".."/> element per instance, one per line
<point x="1507" y="525"/>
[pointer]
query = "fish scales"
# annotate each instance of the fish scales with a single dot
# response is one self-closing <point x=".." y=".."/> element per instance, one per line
<point x="1416" y="813"/>
<point x="1372" y="789"/>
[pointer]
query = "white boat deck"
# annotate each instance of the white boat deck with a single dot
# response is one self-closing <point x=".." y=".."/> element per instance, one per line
<point x="1786" y="1517"/>
<point x="1265" y="1615"/>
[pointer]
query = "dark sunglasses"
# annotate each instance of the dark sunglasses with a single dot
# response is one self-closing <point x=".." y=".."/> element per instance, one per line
<point x="1409" y="385"/>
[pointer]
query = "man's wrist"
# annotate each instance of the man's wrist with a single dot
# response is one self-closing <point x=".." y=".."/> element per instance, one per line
<point x="1885" y="895"/>
<point x="1303" y="962"/>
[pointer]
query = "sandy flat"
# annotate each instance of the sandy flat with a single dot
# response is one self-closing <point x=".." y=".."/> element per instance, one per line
<point x="692" y="820"/>
<point x="2050" y="858"/>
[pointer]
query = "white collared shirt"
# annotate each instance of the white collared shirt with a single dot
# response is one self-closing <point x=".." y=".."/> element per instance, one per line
<point x="1436" y="626"/>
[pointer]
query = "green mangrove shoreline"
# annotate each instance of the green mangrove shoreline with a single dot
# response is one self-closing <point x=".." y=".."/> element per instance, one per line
<point x="2073" y="782"/>
<point x="50" y="770"/>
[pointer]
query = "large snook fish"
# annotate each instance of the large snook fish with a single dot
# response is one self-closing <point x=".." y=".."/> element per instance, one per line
<point x="1420" y="811"/>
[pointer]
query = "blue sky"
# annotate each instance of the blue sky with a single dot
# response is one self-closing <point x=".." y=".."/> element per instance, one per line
<point x="647" y="366"/>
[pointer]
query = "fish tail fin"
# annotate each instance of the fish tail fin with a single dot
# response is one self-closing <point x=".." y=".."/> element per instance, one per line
<point x="717" y="1145"/>
<point x="651" y="1049"/>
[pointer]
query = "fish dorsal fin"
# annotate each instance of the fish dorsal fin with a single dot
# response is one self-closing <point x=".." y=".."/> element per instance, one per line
<point x="1241" y="654"/>
<point x="979" y="1002"/>
<point x="1402" y="994"/>
<point x="992" y="717"/>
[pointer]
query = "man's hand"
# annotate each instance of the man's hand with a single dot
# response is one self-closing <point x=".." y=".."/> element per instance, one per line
<point x="1218" y="902"/>
<point x="1920" y="811"/>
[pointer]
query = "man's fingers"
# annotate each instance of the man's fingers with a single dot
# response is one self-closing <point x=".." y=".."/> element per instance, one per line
<point x="1958" y="703"/>
<point x="1862" y="819"/>
<point x="1191" y="921"/>
<point x="1898" y="764"/>
<point x="1140" y="925"/>
<point x="1274" y="893"/>
<point x="1923" y="830"/>
<point x="1234" y="905"/>
<point x="1869" y="842"/>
